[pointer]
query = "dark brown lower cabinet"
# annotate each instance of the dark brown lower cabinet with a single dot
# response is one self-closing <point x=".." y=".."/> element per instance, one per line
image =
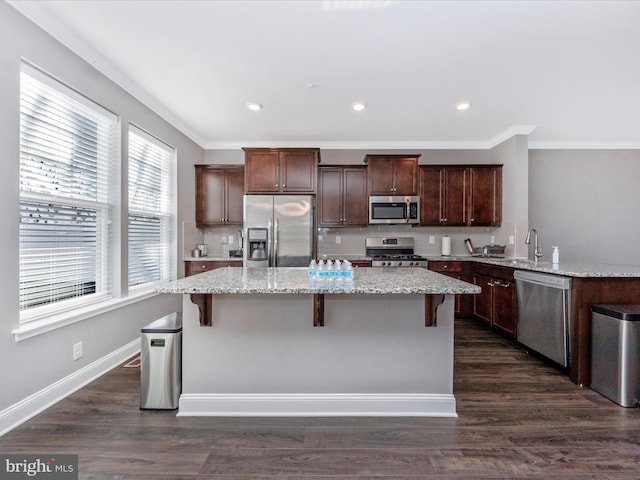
<point x="496" y="304"/>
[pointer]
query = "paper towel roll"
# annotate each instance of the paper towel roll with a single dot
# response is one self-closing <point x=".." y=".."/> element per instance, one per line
<point x="446" y="246"/>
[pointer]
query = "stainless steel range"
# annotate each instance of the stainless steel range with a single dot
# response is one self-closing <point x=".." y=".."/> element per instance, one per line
<point x="393" y="252"/>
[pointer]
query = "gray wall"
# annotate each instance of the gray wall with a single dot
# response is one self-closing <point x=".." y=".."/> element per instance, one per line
<point x="587" y="202"/>
<point x="33" y="364"/>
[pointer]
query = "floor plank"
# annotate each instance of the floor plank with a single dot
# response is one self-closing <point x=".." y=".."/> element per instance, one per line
<point x="519" y="418"/>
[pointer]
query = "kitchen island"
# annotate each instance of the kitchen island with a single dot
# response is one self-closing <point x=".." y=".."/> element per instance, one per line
<point x="262" y="342"/>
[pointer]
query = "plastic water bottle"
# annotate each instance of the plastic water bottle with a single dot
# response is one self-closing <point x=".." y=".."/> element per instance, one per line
<point x="330" y="273"/>
<point x="339" y="273"/>
<point x="321" y="273"/>
<point x="556" y="255"/>
<point x="312" y="271"/>
<point x="348" y="273"/>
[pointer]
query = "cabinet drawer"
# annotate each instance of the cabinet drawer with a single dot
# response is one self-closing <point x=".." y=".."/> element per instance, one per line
<point x="440" y="266"/>
<point x="361" y="263"/>
<point x="193" y="267"/>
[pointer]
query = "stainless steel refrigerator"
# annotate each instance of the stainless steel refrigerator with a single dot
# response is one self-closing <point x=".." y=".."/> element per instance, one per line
<point x="279" y="230"/>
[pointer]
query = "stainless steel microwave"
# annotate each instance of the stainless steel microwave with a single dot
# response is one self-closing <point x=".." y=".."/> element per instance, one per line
<point x="394" y="209"/>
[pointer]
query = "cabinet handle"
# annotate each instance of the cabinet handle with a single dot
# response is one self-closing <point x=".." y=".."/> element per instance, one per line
<point x="284" y="185"/>
<point x="491" y="284"/>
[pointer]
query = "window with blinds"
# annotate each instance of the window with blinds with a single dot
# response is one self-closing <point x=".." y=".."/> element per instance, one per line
<point x="151" y="207"/>
<point x="67" y="156"/>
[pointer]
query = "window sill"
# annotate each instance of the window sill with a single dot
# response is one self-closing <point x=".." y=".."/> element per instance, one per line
<point x="53" y="322"/>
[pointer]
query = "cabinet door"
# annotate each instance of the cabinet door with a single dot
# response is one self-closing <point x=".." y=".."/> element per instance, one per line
<point x="298" y="172"/>
<point x="483" y="301"/>
<point x="405" y="176"/>
<point x="380" y="176"/>
<point x="486" y="196"/>
<point x="431" y="196"/>
<point x="330" y="197"/>
<point x="455" y="196"/>
<point x="262" y="172"/>
<point x="504" y="302"/>
<point x="210" y="196"/>
<point x="234" y="198"/>
<point x="355" y="204"/>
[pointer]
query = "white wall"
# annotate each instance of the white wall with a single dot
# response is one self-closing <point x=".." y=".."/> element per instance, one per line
<point x="28" y="366"/>
<point x="587" y="202"/>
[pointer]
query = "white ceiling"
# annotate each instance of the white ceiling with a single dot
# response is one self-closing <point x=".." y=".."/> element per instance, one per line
<point x="566" y="71"/>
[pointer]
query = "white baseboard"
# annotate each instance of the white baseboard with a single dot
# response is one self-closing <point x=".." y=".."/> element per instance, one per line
<point x="27" y="408"/>
<point x="317" y="405"/>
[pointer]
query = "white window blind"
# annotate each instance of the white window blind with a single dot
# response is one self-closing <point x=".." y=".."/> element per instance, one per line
<point x="66" y="163"/>
<point x="151" y="207"/>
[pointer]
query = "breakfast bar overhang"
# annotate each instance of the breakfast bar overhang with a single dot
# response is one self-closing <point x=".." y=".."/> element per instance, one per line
<point x="263" y="342"/>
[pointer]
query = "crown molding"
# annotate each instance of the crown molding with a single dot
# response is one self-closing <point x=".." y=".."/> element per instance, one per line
<point x="380" y="145"/>
<point x="510" y="132"/>
<point x="584" y="145"/>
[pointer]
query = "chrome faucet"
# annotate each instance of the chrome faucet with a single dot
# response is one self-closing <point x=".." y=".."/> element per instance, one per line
<point x="537" y="251"/>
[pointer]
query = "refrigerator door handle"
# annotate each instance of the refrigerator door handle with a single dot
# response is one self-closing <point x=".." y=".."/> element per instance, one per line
<point x="269" y="243"/>
<point x="275" y="243"/>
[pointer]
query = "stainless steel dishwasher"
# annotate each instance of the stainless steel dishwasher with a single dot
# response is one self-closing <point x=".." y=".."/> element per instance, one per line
<point x="544" y="310"/>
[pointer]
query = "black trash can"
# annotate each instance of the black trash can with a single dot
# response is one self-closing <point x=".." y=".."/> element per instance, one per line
<point x="161" y="363"/>
<point x="615" y="353"/>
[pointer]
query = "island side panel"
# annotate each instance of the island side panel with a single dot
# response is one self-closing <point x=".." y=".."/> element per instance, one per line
<point x="267" y="345"/>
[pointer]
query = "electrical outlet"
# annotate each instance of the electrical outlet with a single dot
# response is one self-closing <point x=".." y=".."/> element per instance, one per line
<point x="338" y="239"/>
<point x="432" y="239"/>
<point x="512" y="240"/>
<point x="77" y="351"/>
<point x="492" y="240"/>
<point x="231" y="239"/>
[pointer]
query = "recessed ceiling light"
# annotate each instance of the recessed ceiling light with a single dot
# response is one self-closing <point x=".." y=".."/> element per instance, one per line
<point x="463" y="106"/>
<point x="254" y="106"/>
<point x="358" y="106"/>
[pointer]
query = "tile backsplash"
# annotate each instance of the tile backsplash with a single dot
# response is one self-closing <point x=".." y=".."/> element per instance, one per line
<point x="350" y="241"/>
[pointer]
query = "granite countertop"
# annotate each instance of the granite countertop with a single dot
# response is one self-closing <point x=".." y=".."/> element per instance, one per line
<point x="567" y="269"/>
<point x="238" y="280"/>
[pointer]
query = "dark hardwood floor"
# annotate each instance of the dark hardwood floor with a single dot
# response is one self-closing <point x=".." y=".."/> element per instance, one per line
<point x="518" y="419"/>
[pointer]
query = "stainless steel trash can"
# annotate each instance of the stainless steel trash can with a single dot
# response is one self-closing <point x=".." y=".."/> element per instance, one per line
<point x="615" y="352"/>
<point x="161" y="363"/>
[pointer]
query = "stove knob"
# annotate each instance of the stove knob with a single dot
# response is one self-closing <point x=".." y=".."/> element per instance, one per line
<point x="411" y="264"/>
<point x="383" y="264"/>
<point x="399" y="263"/>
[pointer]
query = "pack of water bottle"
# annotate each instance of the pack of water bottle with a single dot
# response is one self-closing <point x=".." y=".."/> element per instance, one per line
<point x="330" y="273"/>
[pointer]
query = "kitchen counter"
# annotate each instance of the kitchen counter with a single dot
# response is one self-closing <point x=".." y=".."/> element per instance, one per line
<point x="567" y="269"/>
<point x="394" y="281"/>
<point x="265" y="350"/>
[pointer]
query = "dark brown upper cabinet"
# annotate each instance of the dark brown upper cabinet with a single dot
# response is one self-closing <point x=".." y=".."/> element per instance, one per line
<point x="461" y="195"/>
<point x="219" y="191"/>
<point x="392" y="174"/>
<point x="283" y="170"/>
<point x="485" y="200"/>
<point x="443" y="194"/>
<point x="342" y="196"/>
